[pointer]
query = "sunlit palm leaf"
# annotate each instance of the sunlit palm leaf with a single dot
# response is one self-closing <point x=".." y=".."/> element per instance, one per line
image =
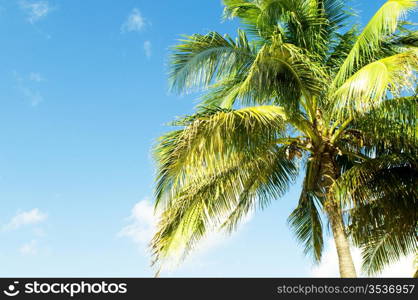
<point x="284" y="72"/>
<point x="228" y="195"/>
<point x="370" y="85"/>
<point x="212" y="139"/>
<point x="300" y="22"/>
<point x="383" y="23"/>
<point x="202" y="58"/>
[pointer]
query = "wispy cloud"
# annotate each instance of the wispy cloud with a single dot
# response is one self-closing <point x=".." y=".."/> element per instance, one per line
<point x="37" y="77"/>
<point x="32" y="217"/>
<point x="134" y="22"/>
<point x="35" y="10"/>
<point x="35" y="97"/>
<point x="25" y="85"/>
<point x="30" y="248"/>
<point x="148" y="49"/>
<point x="329" y="264"/>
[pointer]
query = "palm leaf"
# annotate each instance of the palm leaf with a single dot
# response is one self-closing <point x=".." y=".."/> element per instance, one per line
<point x="370" y="85"/>
<point x="305" y="220"/>
<point x="284" y="73"/>
<point x="199" y="59"/>
<point x="383" y="218"/>
<point x="383" y="23"/>
<point x="391" y="126"/>
<point x="205" y="202"/>
<point x="211" y="140"/>
<point x="387" y="248"/>
<point x="359" y="185"/>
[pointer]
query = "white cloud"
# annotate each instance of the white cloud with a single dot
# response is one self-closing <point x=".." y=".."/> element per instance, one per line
<point x="143" y="223"/>
<point x="329" y="264"/>
<point x="35" y="10"/>
<point x="30" y="248"/>
<point x="34" y="216"/>
<point x="134" y="22"/>
<point x="148" y="49"/>
<point x="37" y="77"/>
<point x="28" y="89"/>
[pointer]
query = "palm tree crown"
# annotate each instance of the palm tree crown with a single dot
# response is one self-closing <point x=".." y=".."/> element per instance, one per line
<point x="298" y="90"/>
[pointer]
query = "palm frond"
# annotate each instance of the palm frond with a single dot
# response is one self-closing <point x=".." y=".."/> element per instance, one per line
<point x="306" y="24"/>
<point x="392" y="126"/>
<point x="200" y="59"/>
<point x="407" y="39"/>
<point x="386" y="248"/>
<point x="344" y="44"/>
<point x="264" y="186"/>
<point x="204" y="203"/>
<point x="224" y="94"/>
<point x="400" y="42"/>
<point x="212" y="139"/>
<point x="284" y="73"/>
<point x="383" y="198"/>
<point x="371" y="84"/>
<point x="336" y="13"/>
<point x="383" y="23"/>
<point x="370" y="180"/>
<point x="247" y="10"/>
<point x="305" y="220"/>
<point x="386" y="227"/>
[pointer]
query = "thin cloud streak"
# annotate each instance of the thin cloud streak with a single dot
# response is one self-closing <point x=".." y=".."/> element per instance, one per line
<point x="35" y="10"/>
<point x="27" y="88"/>
<point x="148" y="49"/>
<point x="30" y="248"/>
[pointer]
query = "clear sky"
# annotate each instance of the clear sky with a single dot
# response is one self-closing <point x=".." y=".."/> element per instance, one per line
<point x="83" y="87"/>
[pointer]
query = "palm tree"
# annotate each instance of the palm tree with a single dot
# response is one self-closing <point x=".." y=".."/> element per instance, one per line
<point x="298" y="90"/>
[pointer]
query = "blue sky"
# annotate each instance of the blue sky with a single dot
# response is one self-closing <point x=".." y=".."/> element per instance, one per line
<point x="83" y="87"/>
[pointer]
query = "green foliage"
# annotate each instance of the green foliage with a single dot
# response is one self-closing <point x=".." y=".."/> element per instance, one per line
<point x="305" y="220"/>
<point x="200" y="59"/>
<point x="370" y="85"/>
<point x="212" y="140"/>
<point x="383" y="196"/>
<point x="384" y="23"/>
<point x="391" y="126"/>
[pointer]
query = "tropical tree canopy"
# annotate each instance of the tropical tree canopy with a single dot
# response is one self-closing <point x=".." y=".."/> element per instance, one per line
<point x="300" y="90"/>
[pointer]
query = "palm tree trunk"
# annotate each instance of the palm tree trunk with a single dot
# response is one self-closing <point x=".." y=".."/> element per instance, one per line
<point x="345" y="260"/>
<point x="333" y="210"/>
